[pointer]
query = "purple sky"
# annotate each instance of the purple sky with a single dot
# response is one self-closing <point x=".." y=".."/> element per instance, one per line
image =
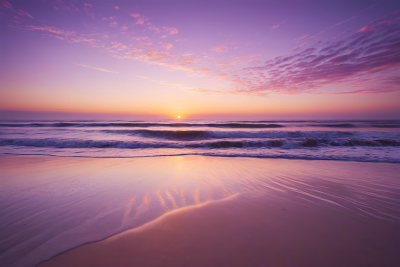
<point x="201" y="59"/>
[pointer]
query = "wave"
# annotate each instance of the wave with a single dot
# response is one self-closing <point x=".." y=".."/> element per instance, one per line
<point x="237" y="125"/>
<point x="272" y="143"/>
<point x="145" y="124"/>
<point x="204" y="135"/>
<point x="335" y="125"/>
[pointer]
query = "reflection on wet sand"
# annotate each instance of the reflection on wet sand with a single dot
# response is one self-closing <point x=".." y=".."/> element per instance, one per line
<point x="247" y="230"/>
<point x="52" y="205"/>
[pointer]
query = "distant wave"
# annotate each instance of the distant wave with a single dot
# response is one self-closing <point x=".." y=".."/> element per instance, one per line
<point x="335" y="125"/>
<point x="283" y="143"/>
<point x="238" y="125"/>
<point x="204" y="135"/>
<point x="386" y="125"/>
<point x="136" y="124"/>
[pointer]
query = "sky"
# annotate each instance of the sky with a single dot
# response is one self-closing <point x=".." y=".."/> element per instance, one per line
<point x="220" y="59"/>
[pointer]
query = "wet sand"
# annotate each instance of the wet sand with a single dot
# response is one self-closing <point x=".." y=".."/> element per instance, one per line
<point x="198" y="211"/>
<point x="247" y="231"/>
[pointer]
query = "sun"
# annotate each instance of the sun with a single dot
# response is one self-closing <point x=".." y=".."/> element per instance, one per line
<point x="179" y="117"/>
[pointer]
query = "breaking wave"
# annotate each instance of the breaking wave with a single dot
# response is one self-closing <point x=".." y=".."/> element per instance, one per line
<point x="203" y="135"/>
<point x="271" y="143"/>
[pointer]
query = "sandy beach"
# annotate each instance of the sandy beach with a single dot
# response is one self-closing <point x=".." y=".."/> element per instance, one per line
<point x="198" y="211"/>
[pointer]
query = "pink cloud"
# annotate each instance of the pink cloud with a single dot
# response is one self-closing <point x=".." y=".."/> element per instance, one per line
<point x="220" y="49"/>
<point x="50" y="29"/>
<point x="87" y="10"/>
<point x="113" y="24"/>
<point x="157" y="55"/>
<point x="276" y="26"/>
<point x="302" y="37"/>
<point x="140" y="19"/>
<point x="154" y="28"/>
<point x="140" y="38"/>
<point x="7" y="4"/>
<point x="23" y="13"/>
<point x="168" y="46"/>
<point x="116" y="7"/>
<point x="164" y="36"/>
<point x="170" y="30"/>
<point x="95" y="68"/>
<point x="367" y="53"/>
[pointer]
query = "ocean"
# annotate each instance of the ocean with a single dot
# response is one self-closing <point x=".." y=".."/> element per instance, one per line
<point x="366" y="141"/>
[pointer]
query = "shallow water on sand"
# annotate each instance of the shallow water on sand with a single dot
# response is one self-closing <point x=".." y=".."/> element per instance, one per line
<point x="50" y="204"/>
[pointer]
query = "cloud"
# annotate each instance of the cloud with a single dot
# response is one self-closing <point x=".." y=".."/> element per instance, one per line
<point x="109" y="18"/>
<point x="337" y="24"/>
<point x="7" y="4"/>
<point x="373" y="51"/>
<point x="302" y="37"/>
<point x="113" y="24"/>
<point x="50" y="29"/>
<point x="95" y="68"/>
<point x="140" y="18"/>
<point x="170" y="30"/>
<point x="220" y="49"/>
<point x="153" y="28"/>
<point x="157" y="55"/>
<point x="87" y="10"/>
<point x="23" y="13"/>
<point x="168" y="46"/>
<point x="276" y="26"/>
<point x="69" y="36"/>
<point x="116" y="7"/>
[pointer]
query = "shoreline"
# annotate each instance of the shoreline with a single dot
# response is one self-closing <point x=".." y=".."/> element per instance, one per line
<point x="200" y="155"/>
<point x="73" y="201"/>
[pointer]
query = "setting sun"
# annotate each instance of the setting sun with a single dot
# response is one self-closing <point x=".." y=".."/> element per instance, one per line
<point x="179" y="117"/>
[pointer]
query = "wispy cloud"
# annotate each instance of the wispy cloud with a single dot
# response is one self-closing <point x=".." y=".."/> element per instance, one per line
<point x="7" y="4"/>
<point x="220" y="49"/>
<point x="116" y="7"/>
<point x="140" y="18"/>
<point x="276" y="26"/>
<point x="87" y="10"/>
<point x="95" y="68"/>
<point x="305" y="36"/>
<point x="170" y="30"/>
<point x="373" y="51"/>
<point x="50" y="29"/>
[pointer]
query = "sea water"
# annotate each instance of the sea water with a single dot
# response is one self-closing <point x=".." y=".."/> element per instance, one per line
<point x="367" y="141"/>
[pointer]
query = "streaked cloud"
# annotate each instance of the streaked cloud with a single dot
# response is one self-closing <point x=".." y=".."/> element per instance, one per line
<point x="7" y="4"/>
<point x="373" y="52"/>
<point x="305" y="36"/>
<point x="277" y="26"/>
<point x="87" y="10"/>
<point x="96" y="68"/>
